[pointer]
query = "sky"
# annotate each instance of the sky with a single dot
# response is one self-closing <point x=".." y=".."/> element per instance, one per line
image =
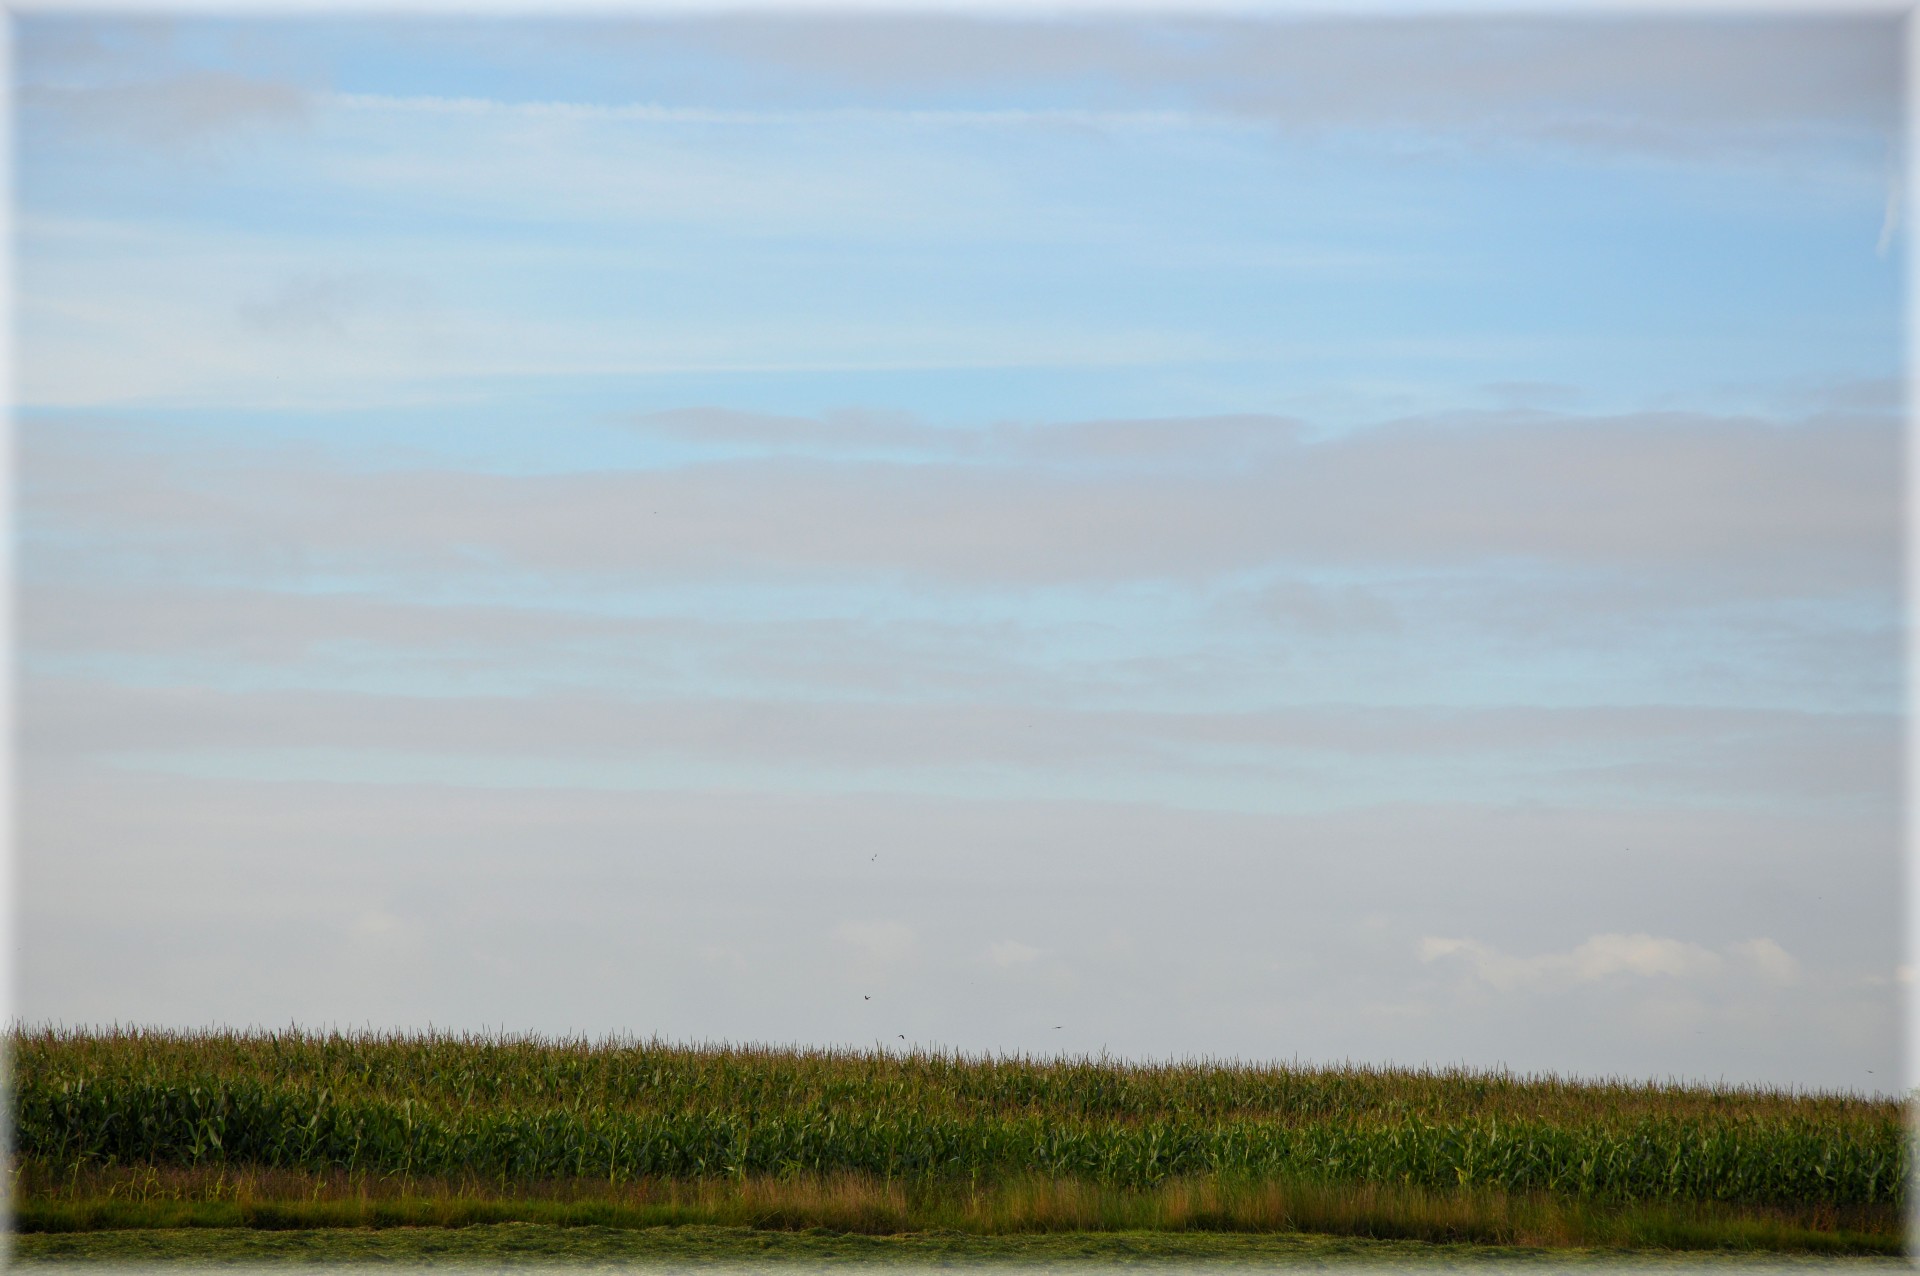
<point x="1230" y="536"/>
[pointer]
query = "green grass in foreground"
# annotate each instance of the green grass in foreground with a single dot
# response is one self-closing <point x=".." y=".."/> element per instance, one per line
<point x="99" y="1199"/>
<point x="533" y="1245"/>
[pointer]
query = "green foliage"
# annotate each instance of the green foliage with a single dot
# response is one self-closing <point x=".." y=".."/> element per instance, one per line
<point x="692" y="1246"/>
<point x="95" y="1199"/>
<point x="519" y="1109"/>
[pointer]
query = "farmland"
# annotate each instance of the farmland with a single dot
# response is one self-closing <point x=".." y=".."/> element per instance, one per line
<point x="291" y="1130"/>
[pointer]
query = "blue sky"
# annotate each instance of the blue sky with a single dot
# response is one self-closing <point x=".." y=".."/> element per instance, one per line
<point x="1248" y="535"/>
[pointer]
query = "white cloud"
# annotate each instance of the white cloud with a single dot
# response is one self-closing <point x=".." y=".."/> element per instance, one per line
<point x="1761" y="505"/>
<point x="332" y="304"/>
<point x="1768" y="958"/>
<point x="1286" y="754"/>
<point x="1670" y="87"/>
<point x="1011" y="952"/>
<point x="1608" y="956"/>
<point x="219" y="320"/>
<point x="1642" y="955"/>
<point x="185" y="107"/>
<point x="655" y="113"/>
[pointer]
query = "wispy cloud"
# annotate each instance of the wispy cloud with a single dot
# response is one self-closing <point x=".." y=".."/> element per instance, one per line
<point x="1675" y="87"/>
<point x="184" y="108"/>
<point x="1776" y="508"/>
<point x="1610" y="956"/>
<point x="653" y="113"/>
<point x="1256" y="760"/>
<point x="332" y="305"/>
<point x="1011" y="952"/>
<point x="1890" y="219"/>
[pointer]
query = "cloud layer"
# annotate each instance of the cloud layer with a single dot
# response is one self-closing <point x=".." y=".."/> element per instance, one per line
<point x="1223" y="535"/>
<point x="1762" y="506"/>
<point x="1673" y="85"/>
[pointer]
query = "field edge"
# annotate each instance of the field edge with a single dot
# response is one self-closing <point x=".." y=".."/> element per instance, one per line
<point x="546" y="1245"/>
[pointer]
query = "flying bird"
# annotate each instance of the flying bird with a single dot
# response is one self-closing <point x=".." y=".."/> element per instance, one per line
<point x="866" y="998"/>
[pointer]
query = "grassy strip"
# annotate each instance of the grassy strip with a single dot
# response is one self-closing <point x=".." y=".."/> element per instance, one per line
<point x="150" y="1199"/>
<point x="680" y="1248"/>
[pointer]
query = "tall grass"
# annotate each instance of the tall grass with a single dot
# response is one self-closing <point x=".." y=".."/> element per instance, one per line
<point x="529" y="1110"/>
<point x="149" y="1197"/>
<point x="481" y="1071"/>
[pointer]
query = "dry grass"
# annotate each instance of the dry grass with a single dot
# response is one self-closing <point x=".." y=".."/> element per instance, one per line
<point x="81" y="1199"/>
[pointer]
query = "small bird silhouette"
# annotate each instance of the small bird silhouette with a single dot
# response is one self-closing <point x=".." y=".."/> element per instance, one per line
<point x="1056" y="1027"/>
<point x="901" y="1035"/>
<point x="866" y="998"/>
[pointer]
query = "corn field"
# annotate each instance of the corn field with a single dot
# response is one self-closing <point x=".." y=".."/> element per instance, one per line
<point x="529" y="1110"/>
